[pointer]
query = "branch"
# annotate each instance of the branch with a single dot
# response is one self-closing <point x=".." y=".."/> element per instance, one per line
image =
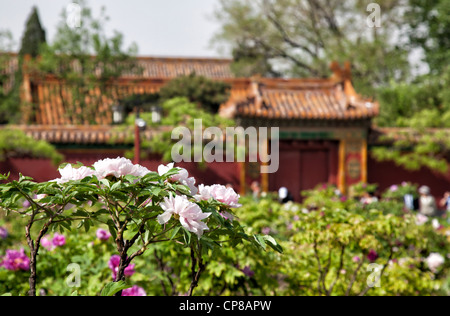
<point x="201" y="268"/>
<point x="338" y="273"/>
<point x="355" y="274"/>
<point x="316" y="255"/>
<point x="381" y="273"/>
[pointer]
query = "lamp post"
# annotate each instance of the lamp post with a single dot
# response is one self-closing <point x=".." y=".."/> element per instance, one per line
<point x="139" y="125"/>
<point x="118" y="113"/>
<point x="156" y="114"/>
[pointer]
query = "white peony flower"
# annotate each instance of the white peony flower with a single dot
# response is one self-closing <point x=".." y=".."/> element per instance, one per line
<point x="118" y="167"/>
<point x="421" y="219"/>
<point x="69" y="173"/>
<point x="182" y="176"/>
<point x="220" y="193"/>
<point x="189" y="214"/>
<point x="434" y="261"/>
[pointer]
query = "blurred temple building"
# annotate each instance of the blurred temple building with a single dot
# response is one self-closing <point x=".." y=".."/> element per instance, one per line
<point x="325" y="126"/>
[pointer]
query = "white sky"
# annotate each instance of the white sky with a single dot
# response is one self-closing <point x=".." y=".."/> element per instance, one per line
<point x="159" y="27"/>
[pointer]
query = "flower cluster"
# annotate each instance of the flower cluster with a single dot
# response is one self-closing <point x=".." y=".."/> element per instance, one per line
<point x="15" y="260"/>
<point x="187" y="212"/>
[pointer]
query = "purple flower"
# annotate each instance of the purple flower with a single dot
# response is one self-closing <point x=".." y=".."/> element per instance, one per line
<point x="15" y="260"/>
<point x="3" y="233"/>
<point x="248" y="272"/>
<point x="26" y="204"/>
<point x="58" y="240"/>
<point x="114" y="263"/>
<point x="134" y="291"/>
<point x="356" y="259"/>
<point x="103" y="234"/>
<point x="266" y="230"/>
<point x="372" y="256"/>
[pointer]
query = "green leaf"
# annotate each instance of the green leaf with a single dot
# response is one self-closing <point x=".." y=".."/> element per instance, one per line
<point x="175" y="232"/>
<point x="187" y="236"/>
<point x="273" y="243"/>
<point x="113" y="287"/>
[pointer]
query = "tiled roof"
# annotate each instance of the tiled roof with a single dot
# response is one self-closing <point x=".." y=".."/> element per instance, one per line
<point x="154" y="67"/>
<point x="295" y="99"/>
<point x="85" y="135"/>
<point x="55" y="106"/>
<point x="257" y="98"/>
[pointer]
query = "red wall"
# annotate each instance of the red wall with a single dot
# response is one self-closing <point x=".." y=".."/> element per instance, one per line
<point x="304" y="165"/>
<point x="386" y="174"/>
<point x="42" y="170"/>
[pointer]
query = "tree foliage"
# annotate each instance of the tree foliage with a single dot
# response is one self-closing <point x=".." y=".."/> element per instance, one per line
<point x="87" y="61"/>
<point x="208" y="94"/>
<point x="34" y="35"/>
<point x="15" y="143"/>
<point x="301" y="38"/>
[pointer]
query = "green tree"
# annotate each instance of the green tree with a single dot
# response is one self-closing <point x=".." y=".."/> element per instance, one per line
<point x="423" y="105"/>
<point x="9" y="80"/>
<point x="15" y="143"/>
<point x="300" y="38"/>
<point x="87" y="61"/>
<point x="207" y="93"/>
<point x="180" y="112"/>
<point x="34" y="35"/>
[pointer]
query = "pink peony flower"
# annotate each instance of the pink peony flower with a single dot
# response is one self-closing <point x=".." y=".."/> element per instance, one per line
<point x="220" y="193"/>
<point x="47" y="243"/>
<point x="393" y="188"/>
<point x="15" y="260"/>
<point x="189" y="214"/>
<point x="103" y="234"/>
<point x="69" y="173"/>
<point x="134" y="291"/>
<point x="182" y="176"/>
<point x="58" y="240"/>
<point x="118" y="167"/>
<point x="114" y="263"/>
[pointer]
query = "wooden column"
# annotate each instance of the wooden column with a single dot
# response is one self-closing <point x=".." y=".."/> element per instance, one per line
<point x="242" y="178"/>
<point x="265" y="176"/>
<point x="364" y="161"/>
<point x="341" y="167"/>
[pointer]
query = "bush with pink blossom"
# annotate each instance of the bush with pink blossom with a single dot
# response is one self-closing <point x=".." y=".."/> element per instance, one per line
<point x="140" y="208"/>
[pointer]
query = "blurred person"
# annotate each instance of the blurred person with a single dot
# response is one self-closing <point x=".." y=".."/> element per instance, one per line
<point x="284" y="195"/>
<point x="427" y="203"/>
<point x="256" y="190"/>
<point x="445" y="204"/>
<point x="445" y="201"/>
<point x="368" y="198"/>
